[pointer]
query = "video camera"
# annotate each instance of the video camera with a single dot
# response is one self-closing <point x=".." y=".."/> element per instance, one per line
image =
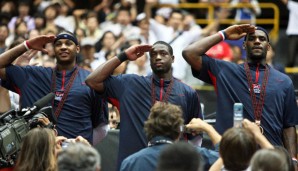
<point x="14" y="125"/>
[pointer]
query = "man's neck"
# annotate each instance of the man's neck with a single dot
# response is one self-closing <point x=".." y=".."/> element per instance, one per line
<point x="61" y="67"/>
<point x="255" y="62"/>
<point x="165" y="76"/>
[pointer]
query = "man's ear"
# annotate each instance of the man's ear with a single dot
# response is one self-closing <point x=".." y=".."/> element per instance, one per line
<point x="268" y="46"/>
<point x="78" y="49"/>
<point x="173" y="59"/>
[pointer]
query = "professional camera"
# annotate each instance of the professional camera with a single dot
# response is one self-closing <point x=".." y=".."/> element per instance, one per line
<point x="14" y="125"/>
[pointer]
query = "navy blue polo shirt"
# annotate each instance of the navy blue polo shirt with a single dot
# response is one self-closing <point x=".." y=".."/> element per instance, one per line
<point x="133" y="94"/>
<point x="230" y="82"/>
<point x="147" y="158"/>
<point x="83" y="108"/>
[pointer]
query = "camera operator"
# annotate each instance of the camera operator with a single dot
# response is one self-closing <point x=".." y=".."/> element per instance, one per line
<point x="40" y="147"/>
<point x="38" y="151"/>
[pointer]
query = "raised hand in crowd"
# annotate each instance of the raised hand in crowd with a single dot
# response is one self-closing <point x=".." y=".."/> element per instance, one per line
<point x="197" y="125"/>
<point x="256" y="131"/>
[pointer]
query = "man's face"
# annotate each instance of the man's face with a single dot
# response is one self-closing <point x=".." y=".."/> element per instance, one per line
<point x="160" y="59"/>
<point x="257" y="45"/>
<point x="3" y="33"/>
<point x="108" y="40"/>
<point x="175" y="20"/>
<point x="92" y="23"/>
<point x="123" y="18"/>
<point x="66" y="51"/>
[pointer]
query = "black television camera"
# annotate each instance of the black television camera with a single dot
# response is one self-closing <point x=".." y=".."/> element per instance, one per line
<point x="14" y="125"/>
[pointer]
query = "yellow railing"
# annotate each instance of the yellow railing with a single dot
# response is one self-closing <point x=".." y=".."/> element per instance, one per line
<point x="274" y="21"/>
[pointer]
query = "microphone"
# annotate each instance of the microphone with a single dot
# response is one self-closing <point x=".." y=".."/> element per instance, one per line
<point x="40" y="104"/>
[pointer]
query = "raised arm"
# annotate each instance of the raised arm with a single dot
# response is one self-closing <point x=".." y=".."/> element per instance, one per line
<point x="255" y="130"/>
<point x="198" y="125"/>
<point x="9" y="56"/>
<point x="96" y="78"/>
<point x="193" y="53"/>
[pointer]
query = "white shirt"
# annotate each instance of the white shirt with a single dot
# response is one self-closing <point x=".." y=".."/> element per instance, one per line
<point x="292" y="28"/>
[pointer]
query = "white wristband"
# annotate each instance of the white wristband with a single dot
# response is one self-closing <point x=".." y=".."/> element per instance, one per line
<point x="222" y="35"/>
<point x="26" y="46"/>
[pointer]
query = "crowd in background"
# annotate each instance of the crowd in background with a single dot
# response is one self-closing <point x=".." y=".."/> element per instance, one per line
<point x="104" y="28"/>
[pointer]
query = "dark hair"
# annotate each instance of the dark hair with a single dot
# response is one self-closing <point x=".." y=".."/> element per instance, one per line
<point x="177" y="11"/>
<point x="165" y="119"/>
<point x="99" y="43"/>
<point x="5" y="25"/>
<point x="236" y="148"/>
<point x="123" y="8"/>
<point x="262" y="29"/>
<point x="166" y="44"/>
<point x="180" y="156"/>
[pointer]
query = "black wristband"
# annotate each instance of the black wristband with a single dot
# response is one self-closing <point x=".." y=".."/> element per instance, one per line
<point x="225" y="34"/>
<point x="122" y="56"/>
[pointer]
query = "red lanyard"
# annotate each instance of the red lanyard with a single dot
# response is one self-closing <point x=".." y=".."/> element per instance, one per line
<point x="257" y="104"/>
<point x="168" y="92"/>
<point x="53" y="87"/>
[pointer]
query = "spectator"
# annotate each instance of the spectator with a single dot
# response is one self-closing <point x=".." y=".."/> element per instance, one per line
<point x="164" y="126"/>
<point x="160" y="86"/>
<point x="244" y="143"/>
<point x="147" y="36"/>
<point x="88" y="52"/>
<point x="121" y="69"/>
<point x="272" y="106"/>
<point x="247" y="15"/>
<point x="39" y="21"/>
<point x="8" y="10"/>
<point x="172" y="33"/>
<point x="271" y="60"/>
<point x="108" y="42"/>
<point x="4" y="32"/>
<point x="23" y="14"/>
<point x="180" y="156"/>
<point x="51" y="12"/>
<point x="161" y="128"/>
<point x="37" y="151"/>
<point x="292" y="31"/>
<point x="92" y="26"/>
<point x="5" y="100"/>
<point x="64" y="19"/>
<point x="114" y="117"/>
<point x="271" y="159"/>
<point x="123" y="23"/>
<point x="75" y="117"/>
<point x="77" y="157"/>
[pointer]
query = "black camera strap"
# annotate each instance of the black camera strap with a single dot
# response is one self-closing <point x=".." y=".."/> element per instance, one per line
<point x="53" y="87"/>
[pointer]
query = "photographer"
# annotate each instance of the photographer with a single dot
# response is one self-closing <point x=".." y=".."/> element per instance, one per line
<point x="39" y="150"/>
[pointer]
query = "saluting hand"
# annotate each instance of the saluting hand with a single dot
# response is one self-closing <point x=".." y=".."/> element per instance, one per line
<point x="236" y="32"/>
<point x="136" y="51"/>
<point x="39" y="42"/>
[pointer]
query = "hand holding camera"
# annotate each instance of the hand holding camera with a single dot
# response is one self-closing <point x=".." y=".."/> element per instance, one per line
<point x="63" y="142"/>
